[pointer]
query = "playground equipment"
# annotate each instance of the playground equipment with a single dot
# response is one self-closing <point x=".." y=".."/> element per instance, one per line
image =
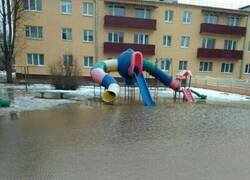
<point x="185" y="77"/>
<point x="4" y="103"/>
<point x="130" y="65"/>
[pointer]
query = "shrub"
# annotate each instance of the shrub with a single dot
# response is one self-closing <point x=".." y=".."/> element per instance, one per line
<point x="65" y="77"/>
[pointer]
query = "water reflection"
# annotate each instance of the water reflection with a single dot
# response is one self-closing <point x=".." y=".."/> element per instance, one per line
<point x="95" y="141"/>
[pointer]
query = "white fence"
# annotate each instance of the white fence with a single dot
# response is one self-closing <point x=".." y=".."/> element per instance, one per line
<point x="230" y="85"/>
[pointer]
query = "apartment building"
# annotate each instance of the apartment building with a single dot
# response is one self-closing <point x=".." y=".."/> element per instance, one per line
<point x="245" y="73"/>
<point x="209" y="41"/>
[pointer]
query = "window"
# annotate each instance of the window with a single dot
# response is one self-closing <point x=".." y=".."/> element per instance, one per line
<point x="183" y="65"/>
<point x="66" y="7"/>
<point x="116" y="10"/>
<point x="143" y="13"/>
<point x="167" y="41"/>
<point x="227" y="67"/>
<point x="208" y="43"/>
<point x="230" y="45"/>
<point x="88" y="9"/>
<point x="115" y="37"/>
<point x="34" y="32"/>
<point x="206" y="66"/>
<point x="88" y="61"/>
<point x="211" y="18"/>
<point x="233" y="21"/>
<point x="185" y="41"/>
<point x="35" y="59"/>
<point x="33" y="5"/>
<point x="169" y="16"/>
<point x="165" y="64"/>
<point x="67" y="60"/>
<point x="141" y="38"/>
<point x="247" y="69"/>
<point x="187" y="17"/>
<point x="88" y="36"/>
<point x="67" y="34"/>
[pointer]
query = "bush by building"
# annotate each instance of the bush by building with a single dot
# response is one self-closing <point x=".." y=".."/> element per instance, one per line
<point x="65" y="75"/>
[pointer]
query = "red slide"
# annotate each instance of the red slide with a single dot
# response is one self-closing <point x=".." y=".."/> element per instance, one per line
<point x="187" y="95"/>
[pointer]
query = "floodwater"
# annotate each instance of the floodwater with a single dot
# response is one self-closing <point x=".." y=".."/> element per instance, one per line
<point x="127" y="141"/>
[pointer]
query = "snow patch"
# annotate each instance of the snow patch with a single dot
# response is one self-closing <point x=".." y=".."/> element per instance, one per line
<point x="29" y="102"/>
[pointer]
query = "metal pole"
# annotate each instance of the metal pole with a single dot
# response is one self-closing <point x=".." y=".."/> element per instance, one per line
<point x="25" y="79"/>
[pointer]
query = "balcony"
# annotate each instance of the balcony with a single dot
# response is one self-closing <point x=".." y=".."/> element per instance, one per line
<point x="222" y="29"/>
<point x="129" y="22"/>
<point x="219" y="54"/>
<point x="147" y="49"/>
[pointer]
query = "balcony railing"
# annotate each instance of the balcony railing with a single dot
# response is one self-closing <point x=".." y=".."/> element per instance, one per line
<point x="129" y="22"/>
<point x="147" y="49"/>
<point x="219" y="54"/>
<point x="222" y="29"/>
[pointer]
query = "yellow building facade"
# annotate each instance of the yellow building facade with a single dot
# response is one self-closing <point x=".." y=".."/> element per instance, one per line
<point x="208" y="41"/>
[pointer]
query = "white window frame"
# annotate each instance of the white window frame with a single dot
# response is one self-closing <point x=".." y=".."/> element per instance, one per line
<point x="205" y="43"/>
<point x="116" y="37"/>
<point x="206" y="66"/>
<point x="185" y="41"/>
<point x="165" y="64"/>
<point x="141" y="38"/>
<point x="187" y="17"/>
<point x="68" y="5"/>
<point x="113" y="8"/>
<point x="227" y="66"/>
<point x="146" y="13"/>
<point x="36" y="6"/>
<point x="88" y="6"/>
<point x="247" y="68"/>
<point x="167" y="41"/>
<point x="88" y="59"/>
<point x="233" y="21"/>
<point x="183" y="64"/>
<point x="67" y="58"/>
<point x="230" y="44"/>
<point x="210" y="18"/>
<point x="28" y="32"/>
<point x="169" y="16"/>
<point x="33" y="59"/>
<point x="68" y="34"/>
<point x="88" y="33"/>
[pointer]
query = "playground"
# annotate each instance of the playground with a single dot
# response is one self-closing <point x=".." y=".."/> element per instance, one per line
<point x="130" y="65"/>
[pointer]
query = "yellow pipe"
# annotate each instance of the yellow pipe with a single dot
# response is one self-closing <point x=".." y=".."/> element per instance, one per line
<point x="111" y="93"/>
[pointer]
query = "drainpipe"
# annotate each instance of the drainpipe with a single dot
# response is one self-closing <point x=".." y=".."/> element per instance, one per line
<point x="244" y="49"/>
<point x="96" y="29"/>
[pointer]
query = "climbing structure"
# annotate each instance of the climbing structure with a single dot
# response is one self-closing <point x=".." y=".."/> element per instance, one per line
<point x="130" y="65"/>
<point x="185" y="77"/>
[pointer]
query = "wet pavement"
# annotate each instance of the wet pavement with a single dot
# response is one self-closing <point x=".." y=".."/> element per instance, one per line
<point x="127" y="141"/>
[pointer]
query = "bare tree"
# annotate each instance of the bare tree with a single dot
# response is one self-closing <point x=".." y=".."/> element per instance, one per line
<point x="11" y="12"/>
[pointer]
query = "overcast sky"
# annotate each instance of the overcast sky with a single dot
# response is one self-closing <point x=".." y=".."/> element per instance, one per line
<point x="234" y="4"/>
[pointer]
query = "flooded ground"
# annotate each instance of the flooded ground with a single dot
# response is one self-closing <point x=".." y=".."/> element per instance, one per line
<point x="128" y="141"/>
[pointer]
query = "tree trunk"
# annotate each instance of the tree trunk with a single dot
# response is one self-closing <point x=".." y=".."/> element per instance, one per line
<point x="10" y="14"/>
<point x="8" y="68"/>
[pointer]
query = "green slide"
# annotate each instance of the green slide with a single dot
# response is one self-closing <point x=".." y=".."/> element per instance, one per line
<point x="201" y="96"/>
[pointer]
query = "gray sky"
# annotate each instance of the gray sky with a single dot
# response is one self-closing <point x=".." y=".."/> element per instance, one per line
<point x="232" y="4"/>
